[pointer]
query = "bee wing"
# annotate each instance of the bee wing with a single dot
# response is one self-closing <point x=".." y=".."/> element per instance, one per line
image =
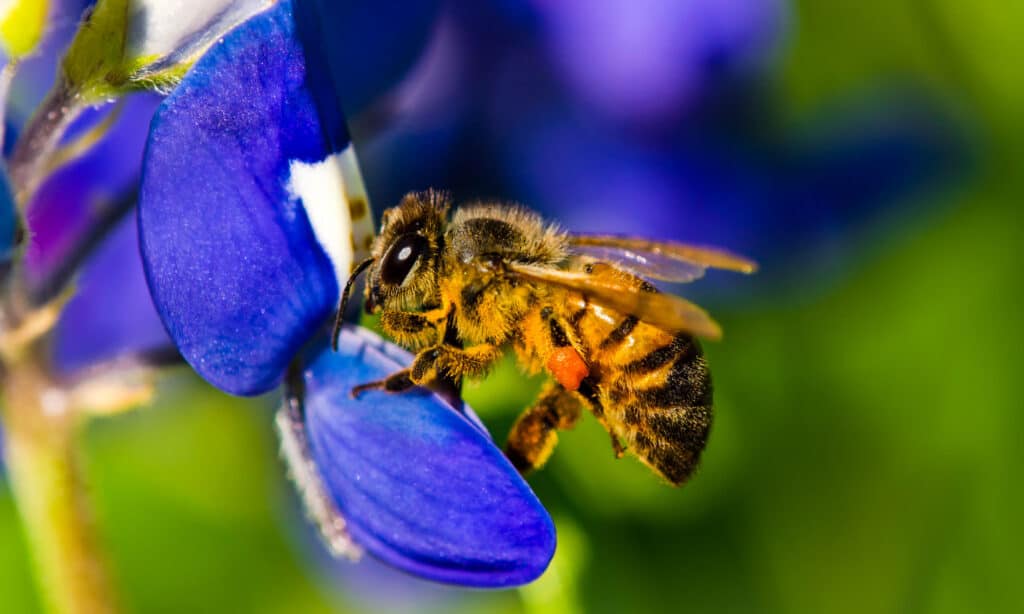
<point x="665" y="260"/>
<point x="651" y="266"/>
<point x="665" y="311"/>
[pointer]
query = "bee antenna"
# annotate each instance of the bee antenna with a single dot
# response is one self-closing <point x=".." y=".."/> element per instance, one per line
<point x="339" y="319"/>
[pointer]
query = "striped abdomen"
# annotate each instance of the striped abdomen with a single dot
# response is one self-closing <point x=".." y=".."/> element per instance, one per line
<point x="650" y="388"/>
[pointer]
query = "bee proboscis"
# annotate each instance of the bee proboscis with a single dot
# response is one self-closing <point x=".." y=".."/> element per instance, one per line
<point x="459" y="290"/>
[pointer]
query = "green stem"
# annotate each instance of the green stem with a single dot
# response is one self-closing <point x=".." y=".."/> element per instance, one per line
<point x="43" y="460"/>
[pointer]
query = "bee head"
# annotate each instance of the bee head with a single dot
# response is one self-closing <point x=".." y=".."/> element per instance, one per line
<point x="407" y="253"/>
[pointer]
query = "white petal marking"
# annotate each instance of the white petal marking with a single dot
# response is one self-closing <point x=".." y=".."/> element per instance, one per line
<point x="321" y="188"/>
<point x="334" y="198"/>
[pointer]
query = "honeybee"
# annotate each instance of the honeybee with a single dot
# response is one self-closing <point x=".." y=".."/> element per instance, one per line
<point x="577" y="306"/>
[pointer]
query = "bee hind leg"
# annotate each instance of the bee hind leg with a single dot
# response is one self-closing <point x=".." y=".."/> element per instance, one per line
<point x="617" y="448"/>
<point x="589" y="392"/>
<point x="534" y="435"/>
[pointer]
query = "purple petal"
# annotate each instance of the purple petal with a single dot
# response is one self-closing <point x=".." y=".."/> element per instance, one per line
<point x="420" y="486"/>
<point x="236" y="268"/>
<point x="81" y="195"/>
<point x="112" y="314"/>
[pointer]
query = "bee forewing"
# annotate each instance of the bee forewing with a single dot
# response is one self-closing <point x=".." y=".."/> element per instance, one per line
<point x="674" y="314"/>
<point x="644" y="264"/>
<point x="661" y="256"/>
<point x="665" y="311"/>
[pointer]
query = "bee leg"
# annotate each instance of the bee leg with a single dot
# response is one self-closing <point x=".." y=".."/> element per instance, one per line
<point x="589" y="392"/>
<point x="452" y="361"/>
<point x="396" y="382"/>
<point x="533" y="436"/>
<point x="411" y="330"/>
<point x="422" y="371"/>
<point x="617" y="446"/>
<point x="473" y="361"/>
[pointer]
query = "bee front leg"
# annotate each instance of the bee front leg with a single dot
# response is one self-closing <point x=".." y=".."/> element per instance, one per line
<point x="534" y="435"/>
<point x="457" y="363"/>
<point x="412" y="330"/>
<point x="454" y="362"/>
<point x="396" y="382"/>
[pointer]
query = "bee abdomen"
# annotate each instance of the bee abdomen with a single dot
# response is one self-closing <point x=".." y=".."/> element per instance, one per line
<point x="672" y="441"/>
<point x="665" y="402"/>
<point x="680" y="352"/>
<point x="620" y="333"/>
<point x="686" y="384"/>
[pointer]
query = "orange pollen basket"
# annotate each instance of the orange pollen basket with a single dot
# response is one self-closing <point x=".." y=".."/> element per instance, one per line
<point x="568" y="367"/>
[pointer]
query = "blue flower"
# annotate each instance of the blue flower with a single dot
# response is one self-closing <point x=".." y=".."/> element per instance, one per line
<point x="251" y="214"/>
<point x="421" y="486"/>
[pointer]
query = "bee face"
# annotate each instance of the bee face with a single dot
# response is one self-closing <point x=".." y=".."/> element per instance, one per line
<point x="407" y="253"/>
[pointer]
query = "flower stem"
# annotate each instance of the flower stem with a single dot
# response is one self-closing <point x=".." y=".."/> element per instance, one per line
<point x="32" y="153"/>
<point x="42" y="457"/>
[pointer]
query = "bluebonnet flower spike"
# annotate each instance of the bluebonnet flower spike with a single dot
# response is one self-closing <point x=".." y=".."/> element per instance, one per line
<point x="417" y="484"/>
<point x="251" y="209"/>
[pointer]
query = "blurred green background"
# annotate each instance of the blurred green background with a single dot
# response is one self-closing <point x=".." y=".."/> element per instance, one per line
<point x="867" y="448"/>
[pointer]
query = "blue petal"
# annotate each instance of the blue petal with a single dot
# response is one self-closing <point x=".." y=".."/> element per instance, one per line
<point x="232" y="261"/>
<point x="420" y="486"/>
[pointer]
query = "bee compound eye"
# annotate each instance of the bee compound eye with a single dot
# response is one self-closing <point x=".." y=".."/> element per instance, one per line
<point x="401" y="257"/>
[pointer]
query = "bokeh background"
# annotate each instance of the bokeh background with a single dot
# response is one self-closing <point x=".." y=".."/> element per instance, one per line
<point x="869" y="437"/>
